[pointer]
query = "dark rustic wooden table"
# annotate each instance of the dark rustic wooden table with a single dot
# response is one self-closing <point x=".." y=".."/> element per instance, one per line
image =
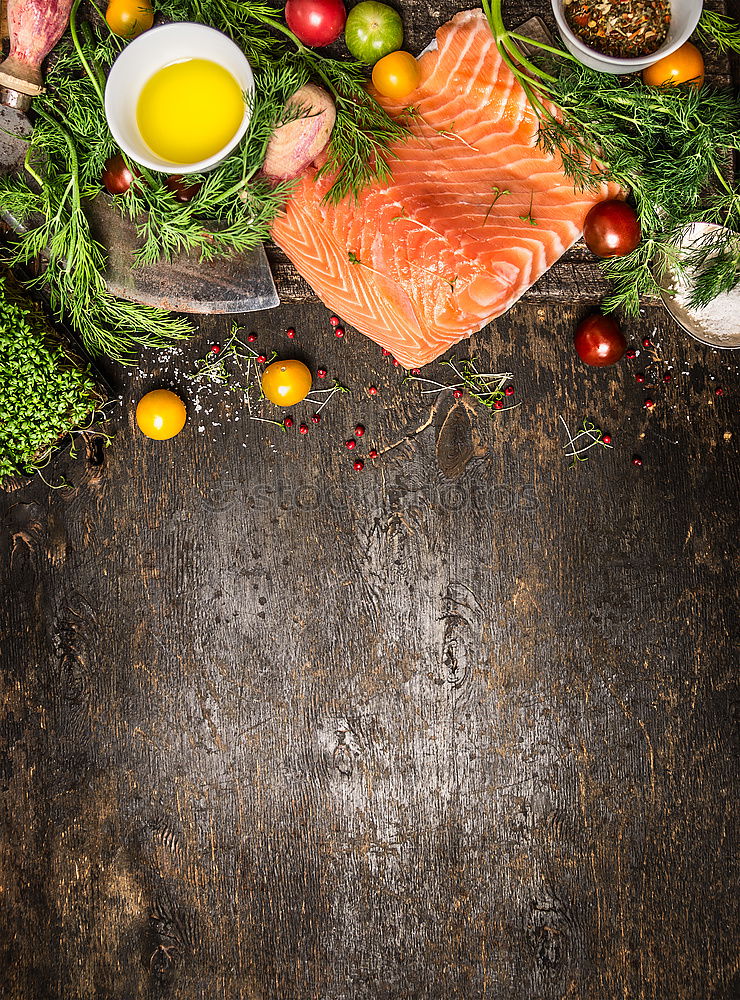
<point x="461" y="725"/>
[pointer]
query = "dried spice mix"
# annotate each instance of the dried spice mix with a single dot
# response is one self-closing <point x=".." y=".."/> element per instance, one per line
<point x="624" y="28"/>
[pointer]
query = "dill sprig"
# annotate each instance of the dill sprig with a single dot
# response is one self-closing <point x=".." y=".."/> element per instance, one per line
<point x="670" y="146"/>
<point x="234" y="208"/>
<point x="718" y="30"/>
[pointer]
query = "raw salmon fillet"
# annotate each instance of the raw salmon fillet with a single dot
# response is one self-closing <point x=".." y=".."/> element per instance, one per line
<point x="431" y="256"/>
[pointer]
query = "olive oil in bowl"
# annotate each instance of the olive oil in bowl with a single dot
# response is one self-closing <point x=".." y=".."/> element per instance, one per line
<point x="189" y="111"/>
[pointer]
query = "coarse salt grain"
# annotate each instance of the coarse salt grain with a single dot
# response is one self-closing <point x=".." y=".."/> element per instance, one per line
<point x="719" y="320"/>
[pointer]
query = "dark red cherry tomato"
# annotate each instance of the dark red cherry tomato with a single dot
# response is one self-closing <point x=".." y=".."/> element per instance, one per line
<point x="117" y="176"/>
<point x="612" y="229"/>
<point x="316" y="22"/>
<point x="180" y="188"/>
<point x="599" y="341"/>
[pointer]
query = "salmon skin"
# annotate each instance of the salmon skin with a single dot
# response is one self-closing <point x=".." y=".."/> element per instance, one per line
<point x="474" y="213"/>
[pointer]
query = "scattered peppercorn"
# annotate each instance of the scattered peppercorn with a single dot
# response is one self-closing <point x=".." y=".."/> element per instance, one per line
<point x="251" y="338"/>
<point x="350" y="444"/>
<point x="639" y="377"/>
<point x="498" y="405"/>
<point x="396" y="362"/>
<point x="290" y="332"/>
<point x="321" y="372"/>
<point x="636" y="460"/>
<point x="359" y="430"/>
<point x="339" y="332"/>
<point x="334" y="320"/>
<point x="416" y="371"/>
<point x="386" y="354"/>
<point x="649" y="404"/>
<point x="373" y="453"/>
<point x="646" y="342"/>
<point x="509" y="390"/>
<point x="303" y="428"/>
<point x="631" y="353"/>
<point x="359" y="465"/>
<point x="316" y="418"/>
<point x="606" y="439"/>
<point x="667" y="377"/>
<point x="372" y="390"/>
<point x="288" y="422"/>
<point x="719" y="392"/>
<point x="457" y="393"/>
<point x="215" y="349"/>
<point x="261" y="359"/>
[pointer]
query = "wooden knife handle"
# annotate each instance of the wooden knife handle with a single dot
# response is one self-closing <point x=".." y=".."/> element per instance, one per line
<point x="35" y="26"/>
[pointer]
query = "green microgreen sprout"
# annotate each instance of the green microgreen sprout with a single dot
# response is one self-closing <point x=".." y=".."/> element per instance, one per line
<point x="528" y="217"/>
<point x="593" y="436"/>
<point x="497" y="193"/>
<point x="415" y="115"/>
<point x="324" y="396"/>
<point x="46" y="391"/>
<point x="487" y="388"/>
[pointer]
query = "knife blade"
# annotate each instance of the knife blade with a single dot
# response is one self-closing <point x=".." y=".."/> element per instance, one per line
<point x="239" y="284"/>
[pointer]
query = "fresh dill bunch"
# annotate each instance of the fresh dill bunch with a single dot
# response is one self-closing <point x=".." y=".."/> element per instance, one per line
<point x="718" y="30"/>
<point x="249" y="24"/>
<point x="669" y="146"/>
<point x="59" y="232"/>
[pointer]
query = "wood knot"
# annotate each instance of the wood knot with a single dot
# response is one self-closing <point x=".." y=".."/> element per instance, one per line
<point x="454" y="445"/>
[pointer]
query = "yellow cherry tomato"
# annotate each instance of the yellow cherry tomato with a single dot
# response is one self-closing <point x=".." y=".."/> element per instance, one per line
<point x="286" y="382"/>
<point x="128" y="18"/>
<point x="160" y="414"/>
<point x="396" y="74"/>
<point x="684" y="65"/>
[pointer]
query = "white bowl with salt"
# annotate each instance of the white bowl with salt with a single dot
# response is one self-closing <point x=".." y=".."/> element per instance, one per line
<point x="718" y="323"/>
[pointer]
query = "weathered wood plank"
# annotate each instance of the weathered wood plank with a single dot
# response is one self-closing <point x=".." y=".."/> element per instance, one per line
<point x="276" y="729"/>
<point x="459" y="726"/>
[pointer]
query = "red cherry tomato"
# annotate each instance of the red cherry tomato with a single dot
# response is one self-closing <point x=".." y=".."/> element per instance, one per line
<point x="316" y="22"/>
<point x="612" y="229"/>
<point x="117" y="176"/>
<point x="599" y="341"/>
<point x="180" y="188"/>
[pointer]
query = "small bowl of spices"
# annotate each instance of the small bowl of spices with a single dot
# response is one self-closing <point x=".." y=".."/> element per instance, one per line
<point x="624" y="36"/>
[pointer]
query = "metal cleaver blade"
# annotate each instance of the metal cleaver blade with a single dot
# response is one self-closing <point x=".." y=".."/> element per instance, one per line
<point x="238" y="284"/>
<point x="235" y="284"/>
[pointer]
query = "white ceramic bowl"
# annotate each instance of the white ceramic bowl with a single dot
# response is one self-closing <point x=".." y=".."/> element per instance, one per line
<point x="685" y="16"/>
<point x="701" y="324"/>
<point x="146" y="55"/>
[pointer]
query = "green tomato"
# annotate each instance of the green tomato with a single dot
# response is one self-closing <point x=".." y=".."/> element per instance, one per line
<point x="372" y="31"/>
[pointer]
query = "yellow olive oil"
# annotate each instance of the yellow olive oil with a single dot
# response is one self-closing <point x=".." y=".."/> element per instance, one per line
<point x="189" y="111"/>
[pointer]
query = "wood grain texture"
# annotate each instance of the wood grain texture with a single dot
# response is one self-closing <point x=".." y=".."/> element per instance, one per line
<point x="460" y="726"/>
